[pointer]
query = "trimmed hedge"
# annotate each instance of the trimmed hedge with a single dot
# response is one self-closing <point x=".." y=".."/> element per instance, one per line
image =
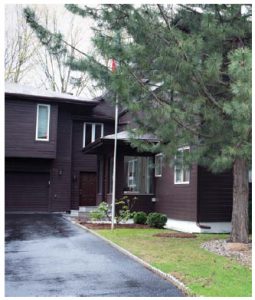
<point x="140" y="217"/>
<point x="156" y="220"/>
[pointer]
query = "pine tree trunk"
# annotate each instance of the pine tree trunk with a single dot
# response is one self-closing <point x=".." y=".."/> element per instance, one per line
<point x="239" y="233"/>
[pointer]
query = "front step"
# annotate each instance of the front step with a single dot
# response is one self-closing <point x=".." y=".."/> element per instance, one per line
<point x="87" y="208"/>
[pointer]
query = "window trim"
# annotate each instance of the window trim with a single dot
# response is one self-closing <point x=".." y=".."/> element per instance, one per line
<point x="161" y="165"/>
<point x="48" y="123"/>
<point x="132" y="163"/>
<point x="181" y="182"/>
<point x="93" y="132"/>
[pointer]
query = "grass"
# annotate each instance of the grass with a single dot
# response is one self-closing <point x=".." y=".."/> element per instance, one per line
<point x="205" y="273"/>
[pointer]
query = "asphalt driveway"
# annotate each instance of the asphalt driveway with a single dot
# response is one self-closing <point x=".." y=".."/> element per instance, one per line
<point x="46" y="255"/>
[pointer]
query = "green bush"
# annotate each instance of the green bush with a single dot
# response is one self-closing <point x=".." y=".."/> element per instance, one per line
<point x="123" y="209"/>
<point x="140" y="217"/>
<point x="156" y="220"/>
<point x="101" y="213"/>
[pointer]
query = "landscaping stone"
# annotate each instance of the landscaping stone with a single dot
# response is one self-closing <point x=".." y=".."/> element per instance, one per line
<point x="241" y="252"/>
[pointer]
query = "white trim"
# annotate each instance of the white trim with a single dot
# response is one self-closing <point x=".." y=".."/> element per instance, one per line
<point x="193" y="227"/>
<point x="161" y="167"/>
<point x="48" y="123"/>
<point x="181" y="149"/>
<point x="93" y="132"/>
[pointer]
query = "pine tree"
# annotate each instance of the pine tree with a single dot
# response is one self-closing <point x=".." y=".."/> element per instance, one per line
<point x="187" y="68"/>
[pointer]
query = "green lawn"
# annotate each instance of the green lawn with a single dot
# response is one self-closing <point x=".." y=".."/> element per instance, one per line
<point x="205" y="273"/>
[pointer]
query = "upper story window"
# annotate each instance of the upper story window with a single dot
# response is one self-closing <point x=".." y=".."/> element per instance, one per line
<point x="181" y="170"/>
<point x="91" y="132"/>
<point x="42" y="122"/>
<point x="158" y="165"/>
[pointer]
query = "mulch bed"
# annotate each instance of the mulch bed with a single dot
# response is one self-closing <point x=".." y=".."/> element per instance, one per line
<point x="108" y="226"/>
<point x="176" y="235"/>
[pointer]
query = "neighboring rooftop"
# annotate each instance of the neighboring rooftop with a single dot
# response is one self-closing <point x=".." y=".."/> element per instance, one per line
<point x="125" y="135"/>
<point x="22" y="90"/>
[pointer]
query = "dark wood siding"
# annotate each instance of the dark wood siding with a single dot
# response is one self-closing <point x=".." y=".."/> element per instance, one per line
<point x="60" y="194"/>
<point x="177" y="201"/>
<point x="20" y="130"/>
<point x="214" y="196"/>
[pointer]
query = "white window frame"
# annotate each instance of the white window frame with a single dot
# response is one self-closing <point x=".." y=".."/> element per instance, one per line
<point x="181" y="182"/>
<point x="131" y="165"/>
<point x="160" y="155"/>
<point x="48" y="124"/>
<point x="93" y="131"/>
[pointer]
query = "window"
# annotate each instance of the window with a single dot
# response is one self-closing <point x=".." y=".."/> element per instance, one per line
<point x="138" y="174"/>
<point x="158" y="164"/>
<point x="91" y="132"/>
<point x="42" y="122"/>
<point x="181" y="171"/>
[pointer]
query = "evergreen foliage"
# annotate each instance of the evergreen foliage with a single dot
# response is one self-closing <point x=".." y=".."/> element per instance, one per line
<point x="184" y="72"/>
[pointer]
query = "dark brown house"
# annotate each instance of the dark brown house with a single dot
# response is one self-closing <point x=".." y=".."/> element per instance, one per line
<point x="59" y="153"/>
<point x="45" y="133"/>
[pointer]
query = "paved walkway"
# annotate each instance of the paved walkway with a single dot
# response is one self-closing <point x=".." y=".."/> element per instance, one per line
<point x="46" y="255"/>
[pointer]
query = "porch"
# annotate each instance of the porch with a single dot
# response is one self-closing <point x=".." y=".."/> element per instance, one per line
<point x="134" y="171"/>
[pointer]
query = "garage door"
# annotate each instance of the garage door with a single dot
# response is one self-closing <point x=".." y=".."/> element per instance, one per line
<point x="27" y="191"/>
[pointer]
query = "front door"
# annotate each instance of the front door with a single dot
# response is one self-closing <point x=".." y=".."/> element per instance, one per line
<point x="88" y="189"/>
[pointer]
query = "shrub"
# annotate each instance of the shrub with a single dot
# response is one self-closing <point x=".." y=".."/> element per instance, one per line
<point x="101" y="213"/>
<point x="140" y="217"/>
<point x="123" y="209"/>
<point x="156" y="220"/>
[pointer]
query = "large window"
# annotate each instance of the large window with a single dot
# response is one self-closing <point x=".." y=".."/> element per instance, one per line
<point x="158" y="164"/>
<point x="138" y="174"/>
<point x="182" y="170"/>
<point x="42" y="122"/>
<point x="91" y="132"/>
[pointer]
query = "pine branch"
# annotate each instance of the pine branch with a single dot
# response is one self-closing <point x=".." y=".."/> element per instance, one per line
<point x="162" y="102"/>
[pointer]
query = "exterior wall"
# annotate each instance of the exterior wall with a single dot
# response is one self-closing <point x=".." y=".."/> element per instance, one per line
<point x="177" y="201"/>
<point x="60" y="191"/>
<point x="214" y="196"/>
<point x="20" y="130"/>
<point x="82" y="162"/>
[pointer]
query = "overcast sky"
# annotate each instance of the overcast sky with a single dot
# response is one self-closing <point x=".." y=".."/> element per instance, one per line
<point x="64" y="18"/>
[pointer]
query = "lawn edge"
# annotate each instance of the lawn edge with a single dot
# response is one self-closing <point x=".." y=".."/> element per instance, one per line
<point x="176" y="282"/>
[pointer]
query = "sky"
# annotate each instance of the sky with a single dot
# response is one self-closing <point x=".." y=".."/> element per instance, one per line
<point x="64" y="18"/>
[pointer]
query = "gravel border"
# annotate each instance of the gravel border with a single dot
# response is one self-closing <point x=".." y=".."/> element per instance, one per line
<point x="220" y="247"/>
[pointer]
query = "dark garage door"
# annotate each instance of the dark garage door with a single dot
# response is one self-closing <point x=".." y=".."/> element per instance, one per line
<point x="27" y="191"/>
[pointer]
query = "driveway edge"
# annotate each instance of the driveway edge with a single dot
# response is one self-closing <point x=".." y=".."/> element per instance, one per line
<point x="166" y="276"/>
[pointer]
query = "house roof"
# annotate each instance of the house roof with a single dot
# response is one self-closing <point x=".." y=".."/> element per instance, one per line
<point x="123" y="137"/>
<point x="31" y="92"/>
